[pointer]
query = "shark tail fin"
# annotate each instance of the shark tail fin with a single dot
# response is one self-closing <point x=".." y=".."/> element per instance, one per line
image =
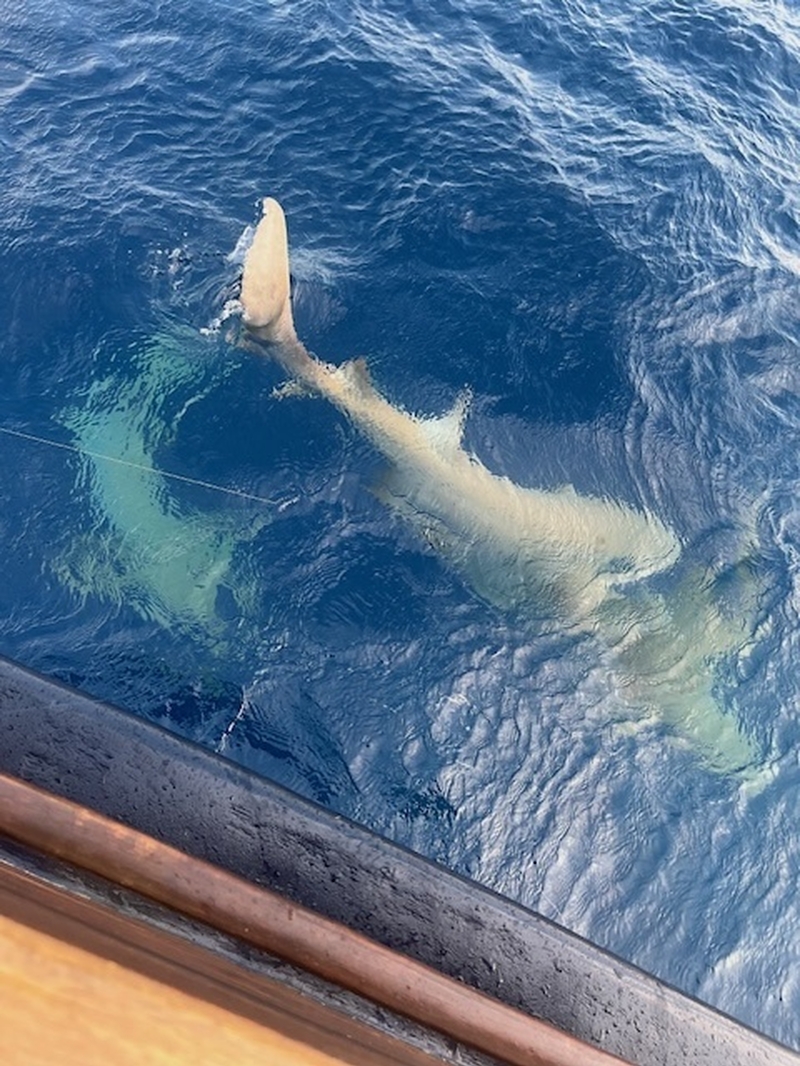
<point x="265" y="293"/>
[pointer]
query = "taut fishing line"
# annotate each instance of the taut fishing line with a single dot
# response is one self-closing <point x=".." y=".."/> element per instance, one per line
<point x="21" y="435"/>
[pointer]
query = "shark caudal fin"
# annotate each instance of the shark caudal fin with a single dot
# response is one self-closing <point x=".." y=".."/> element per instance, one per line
<point x="265" y="283"/>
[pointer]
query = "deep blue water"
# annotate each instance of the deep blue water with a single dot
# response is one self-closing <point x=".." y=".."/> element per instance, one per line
<point x="586" y="214"/>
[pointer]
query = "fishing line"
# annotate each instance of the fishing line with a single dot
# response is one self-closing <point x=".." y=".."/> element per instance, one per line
<point x="136" y="466"/>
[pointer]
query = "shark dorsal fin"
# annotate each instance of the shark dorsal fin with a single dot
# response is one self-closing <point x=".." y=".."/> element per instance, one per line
<point x="356" y="373"/>
<point x="446" y="432"/>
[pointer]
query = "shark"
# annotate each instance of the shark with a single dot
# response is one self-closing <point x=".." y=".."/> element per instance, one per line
<point x="142" y="549"/>
<point x="580" y="563"/>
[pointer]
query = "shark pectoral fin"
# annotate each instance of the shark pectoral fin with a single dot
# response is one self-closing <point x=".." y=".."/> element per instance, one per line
<point x="723" y="745"/>
<point x="394" y="490"/>
<point x="293" y="389"/>
<point x="718" y="609"/>
<point x="265" y="295"/>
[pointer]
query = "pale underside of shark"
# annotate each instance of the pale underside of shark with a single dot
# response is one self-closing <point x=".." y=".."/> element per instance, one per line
<point x="581" y="561"/>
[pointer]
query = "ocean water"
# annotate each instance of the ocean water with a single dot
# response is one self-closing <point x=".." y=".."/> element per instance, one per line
<point x="583" y="215"/>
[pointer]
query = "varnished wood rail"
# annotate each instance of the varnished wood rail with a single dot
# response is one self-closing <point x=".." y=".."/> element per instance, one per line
<point x="61" y="1005"/>
<point x="266" y="920"/>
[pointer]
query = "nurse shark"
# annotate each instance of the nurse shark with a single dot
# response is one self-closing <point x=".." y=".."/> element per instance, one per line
<point x="589" y="564"/>
<point x="142" y="548"/>
<point x="559" y="559"/>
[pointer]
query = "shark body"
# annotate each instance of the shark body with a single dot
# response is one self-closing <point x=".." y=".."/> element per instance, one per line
<point x="142" y="549"/>
<point x="582" y="561"/>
